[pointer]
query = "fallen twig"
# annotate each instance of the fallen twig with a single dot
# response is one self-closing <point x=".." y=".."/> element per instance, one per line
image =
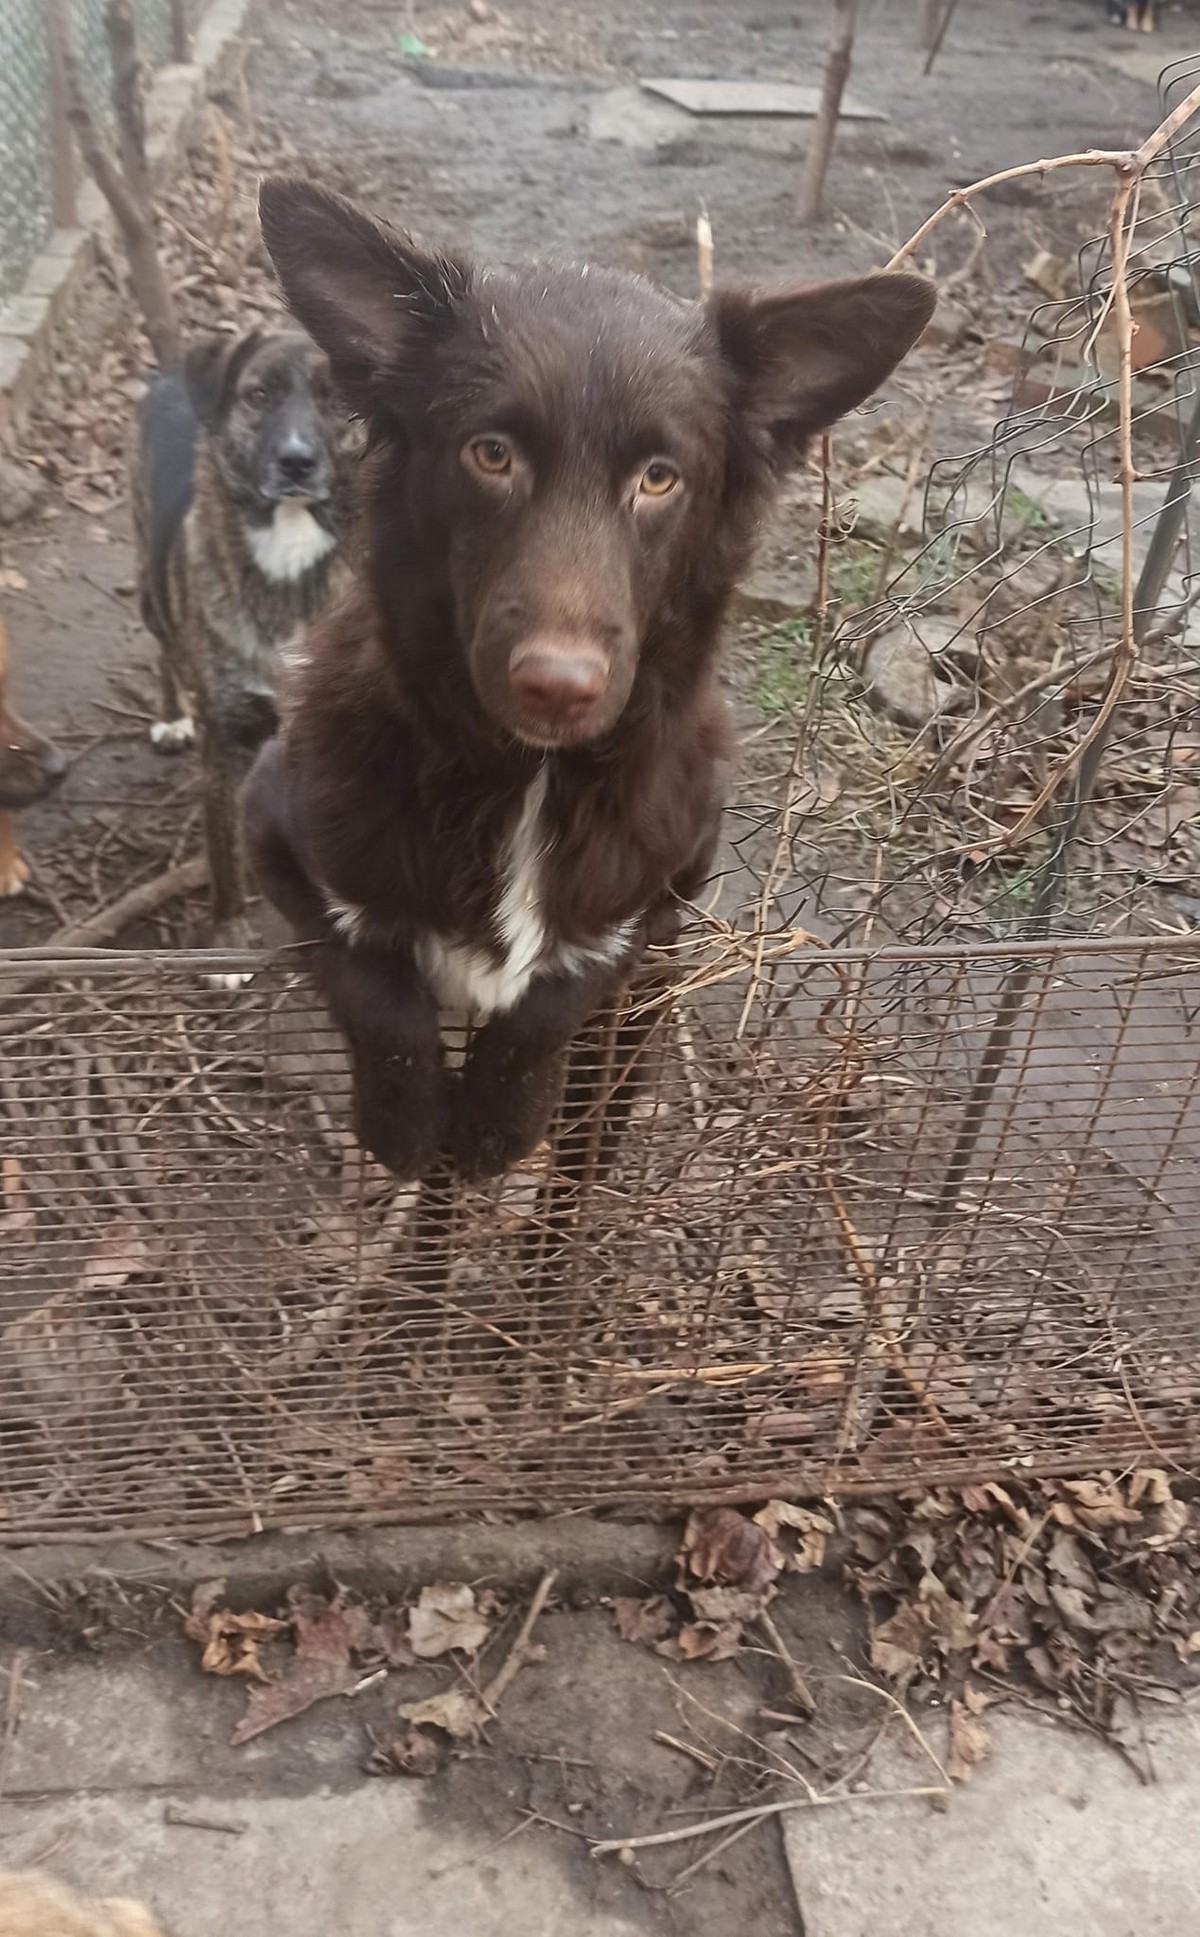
<point x="613" y="1846"/>
<point x="515" y="1659"/>
<point x="701" y="1756"/>
<point x="12" y="1709"/>
<point x="800" y="1688"/>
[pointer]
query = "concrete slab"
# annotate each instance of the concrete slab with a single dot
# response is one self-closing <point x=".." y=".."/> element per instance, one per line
<point x="119" y="1776"/>
<point x="754" y="97"/>
<point x="1054" y="1834"/>
<point x="375" y="1863"/>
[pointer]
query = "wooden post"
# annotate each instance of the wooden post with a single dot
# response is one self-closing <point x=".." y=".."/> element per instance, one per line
<point x="824" y="134"/>
<point x="930" y="21"/>
<point x="64" y="162"/>
<point x="181" y="39"/>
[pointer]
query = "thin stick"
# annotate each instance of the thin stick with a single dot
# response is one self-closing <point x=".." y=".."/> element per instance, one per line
<point x="876" y="1319"/>
<point x="516" y="1656"/>
<point x="893" y="1701"/>
<point x="940" y="35"/>
<point x="800" y="1688"/>
<point x="755" y="1815"/>
<point x="16" y="1682"/>
<point x="706" y="1761"/>
<point x="710" y="1856"/>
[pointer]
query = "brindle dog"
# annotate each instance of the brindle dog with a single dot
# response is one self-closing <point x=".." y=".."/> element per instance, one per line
<point x="241" y="488"/>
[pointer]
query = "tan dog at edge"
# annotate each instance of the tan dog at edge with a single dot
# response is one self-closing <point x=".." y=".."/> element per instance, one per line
<point x="33" y="1905"/>
<point x="31" y="766"/>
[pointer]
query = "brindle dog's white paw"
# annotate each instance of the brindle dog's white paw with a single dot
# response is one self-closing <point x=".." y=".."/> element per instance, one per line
<point x="231" y="937"/>
<point x="173" y="736"/>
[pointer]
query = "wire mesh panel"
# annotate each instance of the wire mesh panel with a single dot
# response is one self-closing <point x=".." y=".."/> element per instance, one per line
<point x="26" y="191"/>
<point x="825" y="1252"/>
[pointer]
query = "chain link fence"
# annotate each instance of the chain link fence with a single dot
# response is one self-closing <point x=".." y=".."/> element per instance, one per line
<point x="30" y="118"/>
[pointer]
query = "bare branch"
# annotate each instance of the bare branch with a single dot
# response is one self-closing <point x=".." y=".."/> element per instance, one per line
<point x="127" y="194"/>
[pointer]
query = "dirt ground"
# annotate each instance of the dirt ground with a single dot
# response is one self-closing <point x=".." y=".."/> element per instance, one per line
<point x="527" y="132"/>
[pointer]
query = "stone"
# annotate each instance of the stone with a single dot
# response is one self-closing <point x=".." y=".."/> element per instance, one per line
<point x="904" y="673"/>
<point x="950" y="325"/>
<point x="22" y="491"/>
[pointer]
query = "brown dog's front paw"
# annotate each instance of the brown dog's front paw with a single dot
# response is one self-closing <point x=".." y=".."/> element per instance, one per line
<point x="14" y="876"/>
<point x="487" y="1143"/>
<point x="402" y="1128"/>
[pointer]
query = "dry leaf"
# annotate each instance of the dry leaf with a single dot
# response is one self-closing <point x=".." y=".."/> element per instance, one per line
<point x="456" y="1712"/>
<point x="699" y="1642"/>
<point x="813" y="1528"/>
<point x="1099" y="1505"/>
<point x="411" y="1754"/>
<point x="120" y="1255"/>
<point x="1170" y="1520"/>
<point x="970" y="1742"/>
<point x="1070" y="1604"/>
<point x="230" y="1641"/>
<point x="65" y="1363"/>
<point x="1148" y="1483"/>
<point x="650" y="1620"/>
<point x="320" y="1666"/>
<point x="1068" y="1560"/>
<point x="898" y="1644"/>
<point x="721" y="1545"/>
<point x="446" y="1617"/>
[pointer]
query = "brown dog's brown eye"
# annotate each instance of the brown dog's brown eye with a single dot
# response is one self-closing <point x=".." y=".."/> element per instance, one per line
<point x="491" y="455"/>
<point x="658" y="479"/>
<point x="256" y="396"/>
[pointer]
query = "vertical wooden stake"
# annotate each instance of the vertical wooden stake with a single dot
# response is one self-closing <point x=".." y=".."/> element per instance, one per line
<point x="824" y="134"/>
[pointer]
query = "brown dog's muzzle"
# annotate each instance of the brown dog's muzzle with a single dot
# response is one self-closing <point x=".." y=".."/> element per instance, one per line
<point x="556" y="683"/>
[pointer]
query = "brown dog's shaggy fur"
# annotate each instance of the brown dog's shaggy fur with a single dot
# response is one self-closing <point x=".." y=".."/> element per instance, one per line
<point x="33" y="1905"/>
<point x="504" y="769"/>
<point x="30" y="767"/>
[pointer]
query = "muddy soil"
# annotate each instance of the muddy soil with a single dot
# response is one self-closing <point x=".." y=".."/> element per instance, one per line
<point x="526" y="131"/>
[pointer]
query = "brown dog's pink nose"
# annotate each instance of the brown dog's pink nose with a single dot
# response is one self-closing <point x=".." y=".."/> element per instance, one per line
<point x="557" y="681"/>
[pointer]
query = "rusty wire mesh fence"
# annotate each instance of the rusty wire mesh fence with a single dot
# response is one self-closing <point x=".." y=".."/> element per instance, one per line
<point x="908" y="1187"/>
<point x="216" y="1316"/>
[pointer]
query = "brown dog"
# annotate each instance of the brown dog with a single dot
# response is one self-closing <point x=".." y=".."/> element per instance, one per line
<point x="503" y="773"/>
<point x="32" y="1905"/>
<point x="30" y="767"/>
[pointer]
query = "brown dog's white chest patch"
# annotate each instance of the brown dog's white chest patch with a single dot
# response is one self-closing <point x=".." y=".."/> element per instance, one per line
<point x="477" y="982"/>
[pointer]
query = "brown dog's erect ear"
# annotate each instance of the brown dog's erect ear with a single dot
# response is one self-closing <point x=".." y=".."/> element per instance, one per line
<point x="360" y="288"/>
<point x="210" y="370"/>
<point x="804" y="357"/>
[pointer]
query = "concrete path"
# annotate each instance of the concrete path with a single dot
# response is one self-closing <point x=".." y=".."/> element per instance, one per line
<point x="1054" y="1837"/>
